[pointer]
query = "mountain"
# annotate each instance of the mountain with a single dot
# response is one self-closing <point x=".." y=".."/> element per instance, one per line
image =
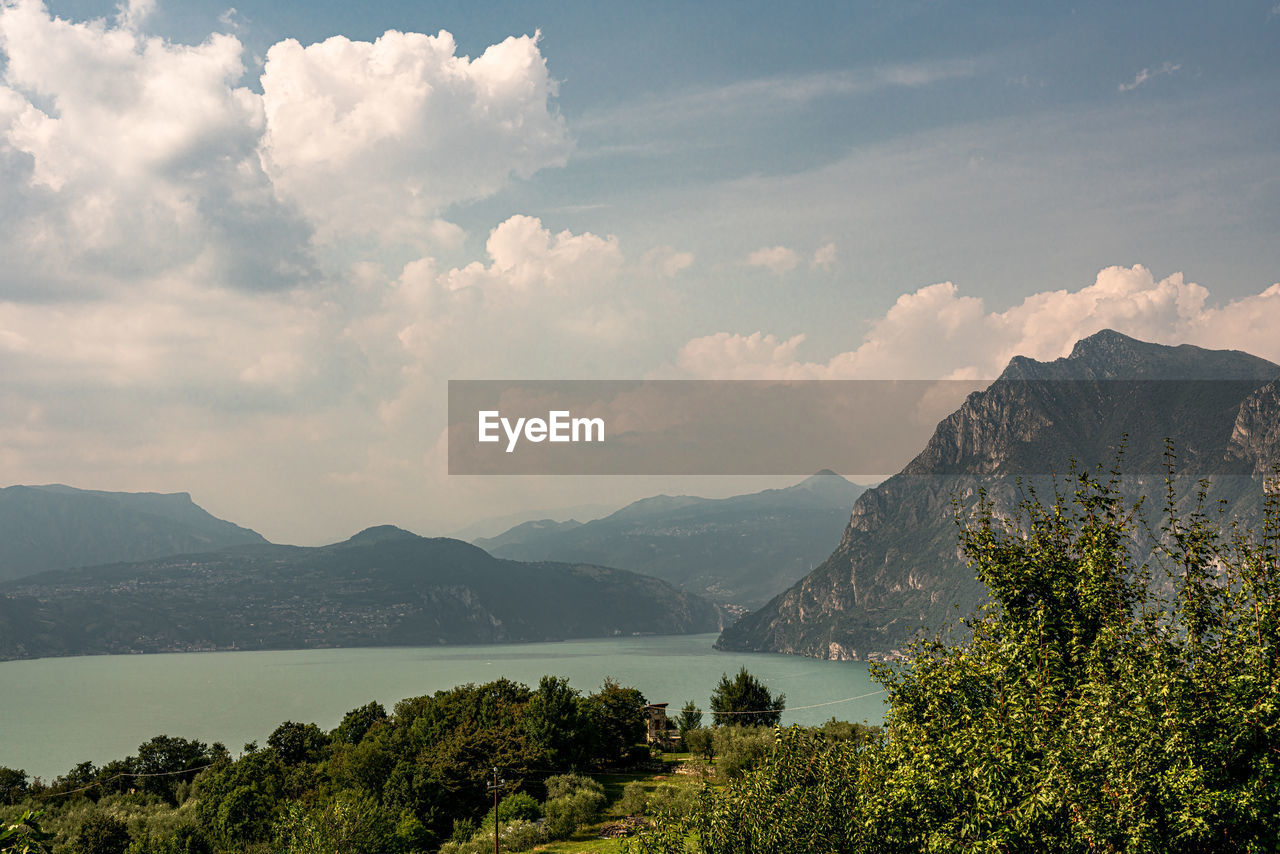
<point x="58" y="527"/>
<point x="898" y="569"/>
<point x="382" y="587"/>
<point x="735" y="551"/>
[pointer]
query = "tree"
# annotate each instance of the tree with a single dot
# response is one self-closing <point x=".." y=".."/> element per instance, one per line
<point x="13" y="785"/>
<point x="745" y="700"/>
<point x="690" y="718"/>
<point x="161" y="762"/>
<point x="359" y="721"/>
<point x="554" y="722"/>
<point x="296" y="743"/>
<point x="616" y="717"/>
<point x="1097" y="703"/>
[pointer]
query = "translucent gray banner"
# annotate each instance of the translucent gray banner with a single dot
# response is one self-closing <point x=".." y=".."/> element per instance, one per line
<point x="855" y="427"/>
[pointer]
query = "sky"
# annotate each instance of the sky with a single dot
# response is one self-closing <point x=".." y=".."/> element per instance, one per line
<point x="244" y="249"/>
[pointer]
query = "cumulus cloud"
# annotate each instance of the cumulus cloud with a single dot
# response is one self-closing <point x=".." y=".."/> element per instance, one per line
<point x="1146" y="74"/>
<point x="133" y="13"/>
<point x="379" y="137"/>
<point x="526" y="255"/>
<point x="778" y="259"/>
<point x="127" y="156"/>
<point x="568" y="282"/>
<point x="665" y="261"/>
<point x="124" y="156"/>
<point x="937" y="332"/>
<point x="823" y="257"/>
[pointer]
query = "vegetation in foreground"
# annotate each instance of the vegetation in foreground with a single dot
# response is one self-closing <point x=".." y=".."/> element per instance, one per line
<point x="570" y="769"/>
<point x="1094" y="705"/>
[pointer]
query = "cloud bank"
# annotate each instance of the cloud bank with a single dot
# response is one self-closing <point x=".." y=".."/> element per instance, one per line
<point x="936" y="332"/>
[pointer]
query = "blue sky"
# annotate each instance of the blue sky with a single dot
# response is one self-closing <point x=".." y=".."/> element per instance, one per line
<point x="245" y="248"/>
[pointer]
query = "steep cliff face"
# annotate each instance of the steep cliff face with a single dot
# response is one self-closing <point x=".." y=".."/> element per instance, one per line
<point x="898" y="568"/>
<point x="1255" y="436"/>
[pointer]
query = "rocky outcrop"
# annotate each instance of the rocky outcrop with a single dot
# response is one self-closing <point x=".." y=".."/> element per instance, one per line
<point x="898" y="568"/>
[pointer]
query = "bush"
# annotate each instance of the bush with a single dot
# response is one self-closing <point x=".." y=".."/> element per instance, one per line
<point x="102" y="834"/>
<point x="738" y="748"/>
<point x="634" y="797"/>
<point x="700" y="742"/>
<point x="672" y="800"/>
<point x="572" y="802"/>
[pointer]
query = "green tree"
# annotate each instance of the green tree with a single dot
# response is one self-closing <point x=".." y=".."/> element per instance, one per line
<point x="616" y="719"/>
<point x="690" y="718"/>
<point x="164" y="762"/>
<point x="13" y="785"/>
<point x="1098" y="703"/>
<point x="555" y="724"/>
<point x="296" y="743"/>
<point x="359" y="721"/>
<point x="745" y="700"/>
<point x="102" y="834"/>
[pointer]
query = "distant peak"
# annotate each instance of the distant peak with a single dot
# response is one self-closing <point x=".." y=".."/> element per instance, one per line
<point x="1108" y="341"/>
<point x="380" y="534"/>
<point x="1111" y="355"/>
<point x="824" y="473"/>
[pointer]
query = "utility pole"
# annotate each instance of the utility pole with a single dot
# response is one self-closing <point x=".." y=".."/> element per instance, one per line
<point x="495" y="810"/>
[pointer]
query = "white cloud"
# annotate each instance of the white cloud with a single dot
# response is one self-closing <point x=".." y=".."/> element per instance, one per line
<point x="526" y="255"/>
<point x="132" y="13"/>
<point x="765" y="95"/>
<point x="378" y="138"/>
<point x="824" y="257"/>
<point x="936" y="332"/>
<point x="128" y="156"/>
<point x="727" y="356"/>
<point x="231" y="18"/>
<point x="124" y="156"/>
<point x="1146" y="74"/>
<point x="778" y="259"/>
<point x="666" y="261"/>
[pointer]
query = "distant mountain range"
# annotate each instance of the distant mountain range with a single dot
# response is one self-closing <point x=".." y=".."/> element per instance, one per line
<point x="735" y="551"/>
<point x="58" y="527"/>
<point x="383" y="587"/>
<point x="897" y="568"/>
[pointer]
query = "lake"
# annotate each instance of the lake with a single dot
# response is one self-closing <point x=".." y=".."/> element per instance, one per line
<point x="56" y="712"/>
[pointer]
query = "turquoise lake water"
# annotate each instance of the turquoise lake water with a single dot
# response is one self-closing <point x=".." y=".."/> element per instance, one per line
<point x="56" y="712"/>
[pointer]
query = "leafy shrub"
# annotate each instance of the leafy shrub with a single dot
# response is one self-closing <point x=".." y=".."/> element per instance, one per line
<point x="700" y="742"/>
<point x="572" y="801"/>
<point x="672" y="800"/>
<point x="634" y="797"/>
<point x="102" y="834"/>
<point x="738" y="748"/>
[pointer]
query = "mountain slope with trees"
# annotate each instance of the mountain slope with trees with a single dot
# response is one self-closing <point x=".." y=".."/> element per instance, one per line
<point x="383" y="587"/>
<point x="739" y="550"/>
<point x="59" y="527"/>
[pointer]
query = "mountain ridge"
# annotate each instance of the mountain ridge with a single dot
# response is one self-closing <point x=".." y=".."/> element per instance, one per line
<point x="737" y="551"/>
<point x="897" y="569"/>
<point x="55" y="526"/>
<point x="388" y="588"/>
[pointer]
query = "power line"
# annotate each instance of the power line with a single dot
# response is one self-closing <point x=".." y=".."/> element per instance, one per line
<point x="803" y="708"/>
<point x="97" y="783"/>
